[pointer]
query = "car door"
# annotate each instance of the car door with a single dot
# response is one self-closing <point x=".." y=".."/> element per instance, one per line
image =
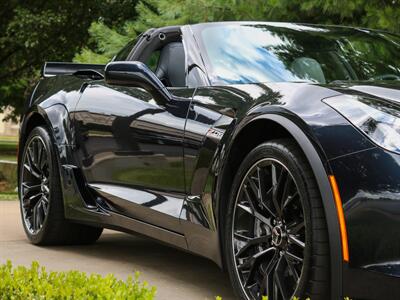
<point x="131" y="153"/>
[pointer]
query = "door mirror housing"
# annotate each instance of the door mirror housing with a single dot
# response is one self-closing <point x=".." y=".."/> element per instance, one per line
<point x="136" y="74"/>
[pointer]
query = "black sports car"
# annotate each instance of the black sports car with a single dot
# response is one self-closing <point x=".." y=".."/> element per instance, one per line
<point x="272" y="149"/>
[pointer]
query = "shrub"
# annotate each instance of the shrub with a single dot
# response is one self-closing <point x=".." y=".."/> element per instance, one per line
<point x="36" y="283"/>
<point x="8" y="176"/>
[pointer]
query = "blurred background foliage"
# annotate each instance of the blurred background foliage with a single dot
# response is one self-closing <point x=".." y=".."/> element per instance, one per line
<point x="35" y="31"/>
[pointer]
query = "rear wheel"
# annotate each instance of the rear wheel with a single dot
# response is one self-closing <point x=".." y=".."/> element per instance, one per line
<point x="276" y="241"/>
<point x="41" y="201"/>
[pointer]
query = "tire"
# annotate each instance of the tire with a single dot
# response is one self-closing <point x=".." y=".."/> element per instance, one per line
<point x="41" y="200"/>
<point x="290" y="227"/>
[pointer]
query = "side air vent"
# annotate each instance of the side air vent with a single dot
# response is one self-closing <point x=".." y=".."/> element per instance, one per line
<point x="87" y="195"/>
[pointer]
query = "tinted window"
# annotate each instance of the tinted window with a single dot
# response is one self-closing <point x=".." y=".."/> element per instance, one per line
<point x="245" y="53"/>
<point x="152" y="62"/>
<point x="124" y="53"/>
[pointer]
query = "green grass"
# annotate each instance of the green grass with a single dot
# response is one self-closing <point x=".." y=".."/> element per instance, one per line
<point x="8" y="148"/>
<point x="8" y="157"/>
<point x="8" y="196"/>
<point x="8" y="172"/>
<point x="6" y="143"/>
<point x="9" y="138"/>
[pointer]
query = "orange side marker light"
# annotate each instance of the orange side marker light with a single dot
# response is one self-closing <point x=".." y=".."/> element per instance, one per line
<point x="342" y="221"/>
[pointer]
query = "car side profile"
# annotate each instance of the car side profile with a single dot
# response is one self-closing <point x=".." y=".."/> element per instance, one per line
<point x="272" y="149"/>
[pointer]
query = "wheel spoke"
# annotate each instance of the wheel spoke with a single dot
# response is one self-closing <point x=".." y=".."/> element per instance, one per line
<point x="29" y="202"/>
<point x="268" y="285"/>
<point x="292" y="268"/>
<point x="286" y="197"/>
<point x="29" y="168"/>
<point x="280" y="278"/>
<point x="294" y="240"/>
<point x="253" y="290"/>
<point x="43" y="209"/>
<point x="251" y="209"/>
<point x="251" y="242"/>
<point x="267" y="281"/>
<point x="256" y="257"/>
<point x="35" y="216"/>
<point x="275" y="289"/>
<point x="295" y="227"/>
<point x="241" y="237"/>
<point x="40" y="156"/>
<point x="263" y="184"/>
<point x="256" y="191"/>
<point x="35" y="148"/>
<point x="289" y="200"/>
<point x="276" y="181"/>
<point x="252" y="264"/>
<point x="40" y="214"/>
<point x="31" y="157"/>
<point x="27" y="188"/>
<point x="293" y="257"/>
<point x="45" y="204"/>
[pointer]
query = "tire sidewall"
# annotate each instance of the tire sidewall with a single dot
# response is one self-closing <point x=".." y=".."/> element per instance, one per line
<point x="279" y="152"/>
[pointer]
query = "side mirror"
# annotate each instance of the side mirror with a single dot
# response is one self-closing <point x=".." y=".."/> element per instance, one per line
<point x="135" y="74"/>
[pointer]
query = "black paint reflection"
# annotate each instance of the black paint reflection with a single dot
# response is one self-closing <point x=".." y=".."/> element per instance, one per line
<point x="127" y="139"/>
<point x="370" y="186"/>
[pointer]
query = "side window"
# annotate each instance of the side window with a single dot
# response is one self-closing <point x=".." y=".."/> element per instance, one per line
<point x="196" y="78"/>
<point x="152" y="62"/>
<point x="124" y="53"/>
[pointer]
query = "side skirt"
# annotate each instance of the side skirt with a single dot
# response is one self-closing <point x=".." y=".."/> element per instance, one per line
<point x="119" y="222"/>
<point x="91" y="213"/>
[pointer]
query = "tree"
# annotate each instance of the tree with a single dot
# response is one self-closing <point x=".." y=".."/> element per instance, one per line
<point x="156" y="13"/>
<point x="32" y="32"/>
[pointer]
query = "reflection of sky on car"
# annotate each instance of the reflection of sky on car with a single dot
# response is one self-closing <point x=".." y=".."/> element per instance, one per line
<point x="377" y="91"/>
<point x="243" y="49"/>
<point x="297" y="27"/>
<point x="147" y="198"/>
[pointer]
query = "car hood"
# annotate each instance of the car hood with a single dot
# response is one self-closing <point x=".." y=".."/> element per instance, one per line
<point x="388" y="91"/>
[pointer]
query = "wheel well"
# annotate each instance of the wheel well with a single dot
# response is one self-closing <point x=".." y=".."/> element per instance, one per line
<point x="250" y="136"/>
<point x="34" y="120"/>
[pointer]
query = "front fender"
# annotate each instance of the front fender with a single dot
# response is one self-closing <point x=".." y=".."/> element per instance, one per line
<point x="321" y="171"/>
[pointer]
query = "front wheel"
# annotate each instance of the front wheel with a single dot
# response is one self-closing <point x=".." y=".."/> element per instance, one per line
<point x="276" y="241"/>
<point x="41" y="200"/>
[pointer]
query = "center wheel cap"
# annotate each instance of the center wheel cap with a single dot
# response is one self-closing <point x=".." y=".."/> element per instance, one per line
<point x="278" y="236"/>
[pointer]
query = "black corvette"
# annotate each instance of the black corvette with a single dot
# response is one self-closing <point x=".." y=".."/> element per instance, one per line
<point x="272" y="149"/>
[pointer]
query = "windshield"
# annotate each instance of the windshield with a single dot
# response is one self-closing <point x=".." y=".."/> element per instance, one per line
<point x="248" y="53"/>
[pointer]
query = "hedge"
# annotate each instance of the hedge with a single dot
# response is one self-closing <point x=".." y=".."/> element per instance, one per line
<point x="35" y="283"/>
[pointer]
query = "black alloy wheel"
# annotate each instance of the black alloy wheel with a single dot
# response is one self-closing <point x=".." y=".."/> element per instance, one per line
<point x="270" y="228"/>
<point x="41" y="197"/>
<point x="35" y="182"/>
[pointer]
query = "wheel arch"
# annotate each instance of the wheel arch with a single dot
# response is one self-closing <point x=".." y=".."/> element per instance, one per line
<point x="54" y="118"/>
<point x="244" y="140"/>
